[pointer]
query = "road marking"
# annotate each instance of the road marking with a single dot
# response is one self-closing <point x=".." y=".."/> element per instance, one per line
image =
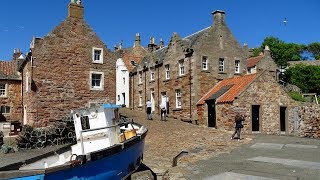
<point x="267" y="145"/>
<point x="301" y="146"/>
<point x="288" y="162"/>
<point x="236" y="176"/>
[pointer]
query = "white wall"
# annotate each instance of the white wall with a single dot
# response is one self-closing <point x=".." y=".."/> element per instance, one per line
<point x="121" y="86"/>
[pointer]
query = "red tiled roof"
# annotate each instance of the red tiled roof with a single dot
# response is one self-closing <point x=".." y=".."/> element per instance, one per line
<point x="253" y="61"/>
<point x="238" y="84"/>
<point x="8" y="68"/>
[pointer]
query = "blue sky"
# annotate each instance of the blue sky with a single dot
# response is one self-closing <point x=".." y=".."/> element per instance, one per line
<point x="114" y="21"/>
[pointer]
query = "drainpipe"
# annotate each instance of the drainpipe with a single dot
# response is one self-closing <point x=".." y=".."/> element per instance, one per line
<point x="157" y="65"/>
<point x="189" y="54"/>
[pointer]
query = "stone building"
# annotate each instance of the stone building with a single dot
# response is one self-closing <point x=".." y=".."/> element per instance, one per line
<point x="179" y="73"/>
<point x="126" y="59"/>
<point x="65" y="70"/>
<point x="267" y="107"/>
<point x="10" y="95"/>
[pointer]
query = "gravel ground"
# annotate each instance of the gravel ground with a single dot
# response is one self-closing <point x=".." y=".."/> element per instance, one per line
<point x="166" y="139"/>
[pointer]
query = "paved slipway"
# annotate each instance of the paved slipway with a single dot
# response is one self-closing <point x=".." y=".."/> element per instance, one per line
<point x="213" y="156"/>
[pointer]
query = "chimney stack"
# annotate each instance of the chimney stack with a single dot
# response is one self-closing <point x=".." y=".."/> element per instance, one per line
<point x="16" y="54"/>
<point x="75" y="9"/>
<point x="218" y="17"/>
<point x="151" y="45"/>
<point x="161" y="43"/>
<point x="266" y="51"/>
<point x="137" y="40"/>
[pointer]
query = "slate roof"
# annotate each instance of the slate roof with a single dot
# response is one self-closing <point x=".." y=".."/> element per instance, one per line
<point x="227" y="89"/>
<point x="8" y="70"/>
<point x="253" y="61"/>
<point x="193" y="38"/>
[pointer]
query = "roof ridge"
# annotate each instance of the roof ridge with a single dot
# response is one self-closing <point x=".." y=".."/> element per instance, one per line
<point x="196" y="32"/>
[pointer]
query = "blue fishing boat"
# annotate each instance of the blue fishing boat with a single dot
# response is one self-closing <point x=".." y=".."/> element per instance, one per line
<point x="107" y="147"/>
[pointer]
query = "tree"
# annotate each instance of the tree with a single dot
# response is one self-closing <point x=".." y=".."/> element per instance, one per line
<point x="283" y="52"/>
<point x="306" y="77"/>
<point x="314" y="49"/>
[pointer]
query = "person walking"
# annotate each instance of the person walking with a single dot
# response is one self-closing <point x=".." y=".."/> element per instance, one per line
<point x="163" y="111"/>
<point x="149" y="105"/>
<point x="238" y="126"/>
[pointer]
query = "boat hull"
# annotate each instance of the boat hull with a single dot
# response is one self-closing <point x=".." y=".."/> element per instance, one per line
<point x="117" y="162"/>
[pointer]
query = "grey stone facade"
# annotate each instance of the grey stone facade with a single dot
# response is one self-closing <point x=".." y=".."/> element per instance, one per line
<point x="213" y="43"/>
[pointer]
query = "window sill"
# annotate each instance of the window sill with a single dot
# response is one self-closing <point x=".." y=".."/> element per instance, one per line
<point x="205" y="71"/>
<point x="166" y="80"/>
<point x="177" y="109"/>
<point x="96" y="89"/>
<point x="97" y="62"/>
<point x="140" y="106"/>
<point x="182" y="76"/>
<point x="222" y="73"/>
<point x="237" y="73"/>
<point x="3" y="97"/>
<point x="152" y="81"/>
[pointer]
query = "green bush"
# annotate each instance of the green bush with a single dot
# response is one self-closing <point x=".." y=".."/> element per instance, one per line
<point x="296" y="96"/>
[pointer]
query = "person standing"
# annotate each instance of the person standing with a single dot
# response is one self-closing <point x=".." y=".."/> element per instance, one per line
<point x="149" y="105"/>
<point x="238" y="126"/>
<point x="163" y="110"/>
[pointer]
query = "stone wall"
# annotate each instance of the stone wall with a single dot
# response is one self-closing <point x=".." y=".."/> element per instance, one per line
<point x="309" y="120"/>
<point x="13" y="100"/>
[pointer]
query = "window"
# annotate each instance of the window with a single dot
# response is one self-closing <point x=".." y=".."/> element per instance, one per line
<point x="124" y="80"/>
<point x="237" y="66"/>
<point x="96" y="79"/>
<point x="151" y="74"/>
<point x="204" y="63"/>
<point x="140" y="77"/>
<point x="178" y="98"/>
<point x="140" y="98"/>
<point x="167" y="71"/>
<point x="3" y="90"/>
<point x="97" y="55"/>
<point x="5" y="109"/>
<point x="221" y="65"/>
<point x="85" y="122"/>
<point x="118" y="97"/>
<point x="181" y="67"/>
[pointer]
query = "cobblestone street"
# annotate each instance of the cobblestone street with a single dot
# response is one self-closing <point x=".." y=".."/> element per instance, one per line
<point x="166" y="139"/>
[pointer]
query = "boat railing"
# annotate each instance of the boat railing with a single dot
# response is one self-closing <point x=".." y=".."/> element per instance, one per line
<point x="123" y="123"/>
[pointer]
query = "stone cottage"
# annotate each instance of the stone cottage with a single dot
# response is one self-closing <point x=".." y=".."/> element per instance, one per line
<point x="10" y="93"/>
<point x="178" y="74"/>
<point x="126" y="60"/>
<point x="65" y="70"/>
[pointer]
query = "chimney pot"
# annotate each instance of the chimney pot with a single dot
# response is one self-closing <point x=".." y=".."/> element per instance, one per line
<point x="75" y="9"/>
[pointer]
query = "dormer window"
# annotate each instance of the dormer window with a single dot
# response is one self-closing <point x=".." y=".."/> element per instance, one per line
<point x="97" y="55"/>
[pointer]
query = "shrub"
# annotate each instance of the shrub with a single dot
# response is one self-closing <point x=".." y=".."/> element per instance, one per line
<point x="296" y="96"/>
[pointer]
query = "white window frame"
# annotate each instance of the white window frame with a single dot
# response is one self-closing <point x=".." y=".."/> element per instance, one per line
<point x="167" y="66"/>
<point x="3" y="90"/>
<point x="151" y="74"/>
<point x="204" y="62"/>
<point x="98" y="88"/>
<point x="5" y="108"/>
<point x="140" y="98"/>
<point x="140" y="77"/>
<point x="237" y="66"/>
<point x="100" y="60"/>
<point x="181" y="67"/>
<point x="221" y="64"/>
<point x="178" y="98"/>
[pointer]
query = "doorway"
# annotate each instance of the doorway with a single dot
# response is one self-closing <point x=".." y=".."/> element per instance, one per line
<point x="283" y="118"/>
<point x="255" y="118"/>
<point x="152" y="99"/>
<point x="165" y="99"/>
<point x="211" y="113"/>
<point x="124" y="98"/>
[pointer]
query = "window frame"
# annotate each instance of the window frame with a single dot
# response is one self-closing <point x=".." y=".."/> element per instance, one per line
<point x="221" y="65"/>
<point x="204" y="65"/>
<point x="237" y="66"/>
<point x="152" y="74"/>
<point x="100" y="61"/>
<point x="4" y="90"/>
<point x="140" y="77"/>
<point x="181" y="67"/>
<point x="140" y="98"/>
<point x="167" y="67"/>
<point x="101" y="87"/>
<point x="178" y="98"/>
<point x="3" y="110"/>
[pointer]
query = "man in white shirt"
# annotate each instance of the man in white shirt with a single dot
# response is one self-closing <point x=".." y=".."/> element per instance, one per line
<point x="149" y="105"/>
<point x="163" y="110"/>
